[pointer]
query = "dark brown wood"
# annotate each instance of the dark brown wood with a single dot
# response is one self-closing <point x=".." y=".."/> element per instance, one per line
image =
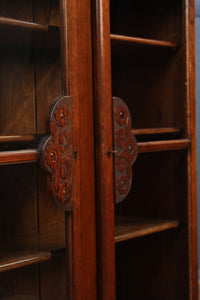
<point x="142" y="41"/>
<point x="21" y="156"/>
<point x="125" y="148"/>
<point x="150" y="131"/>
<point x="16" y="138"/>
<point x="53" y="277"/>
<point x="30" y="81"/>
<point x="23" y="24"/>
<point x="163" y="145"/>
<point x="104" y="142"/>
<point x="192" y="154"/>
<point x="127" y="227"/>
<point x="81" y="90"/>
<point x="23" y="260"/>
<point x="22" y="33"/>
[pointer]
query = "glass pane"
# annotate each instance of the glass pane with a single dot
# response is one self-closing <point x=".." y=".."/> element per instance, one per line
<point x="30" y="66"/>
<point x="32" y="227"/>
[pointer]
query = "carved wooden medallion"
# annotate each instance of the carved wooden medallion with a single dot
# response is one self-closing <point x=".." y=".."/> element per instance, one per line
<point x="57" y="153"/>
<point x="126" y="149"/>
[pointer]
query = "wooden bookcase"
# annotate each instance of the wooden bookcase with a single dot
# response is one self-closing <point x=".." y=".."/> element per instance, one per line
<point x="42" y="247"/>
<point x="144" y="54"/>
<point x="59" y="241"/>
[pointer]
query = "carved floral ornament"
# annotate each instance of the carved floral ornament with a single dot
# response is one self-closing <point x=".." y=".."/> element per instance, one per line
<point x="126" y="149"/>
<point x="57" y="153"/>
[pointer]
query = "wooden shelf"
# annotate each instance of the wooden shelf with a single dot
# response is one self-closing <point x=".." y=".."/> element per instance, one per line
<point x="22" y="259"/>
<point x="16" y="138"/>
<point x="127" y="228"/>
<point x="31" y="247"/>
<point x="21" y="156"/>
<point x="9" y="22"/>
<point x="157" y="146"/>
<point x="152" y="131"/>
<point x="21" y="33"/>
<point x="142" y="41"/>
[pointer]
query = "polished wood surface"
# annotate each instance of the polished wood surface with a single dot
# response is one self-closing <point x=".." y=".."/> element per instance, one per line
<point x="142" y="41"/>
<point x="80" y="72"/>
<point x="21" y="156"/>
<point x="16" y="138"/>
<point x="151" y="131"/>
<point x="23" y="260"/>
<point x="23" y="24"/>
<point x="163" y="145"/>
<point x="192" y="153"/>
<point x="104" y="143"/>
<point x="127" y="227"/>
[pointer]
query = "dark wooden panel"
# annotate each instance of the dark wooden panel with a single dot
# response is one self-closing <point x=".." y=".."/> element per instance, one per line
<point x="48" y="84"/>
<point x="18" y="200"/>
<point x="47" y="12"/>
<point x="20" y="284"/>
<point x="18" y="218"/>
<point x="146" y="79"/>
<point x="144" y="19"/>
<point x="54" y="278"/>
<point x="146" y="268"/>
<point x="17" y="106"/>
<point x="22" y="10"/>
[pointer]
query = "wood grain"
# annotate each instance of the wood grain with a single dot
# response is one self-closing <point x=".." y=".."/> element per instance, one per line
<point x="19" y="261"/>
<point x="192" y="157"/>
<point x="145" y="147"/>
<point x="83" y="220"/>
<point x="127" y="228"/>
<point x="142" y="41"/>
<point x="16" y="138"/>
<point x="104" y="142"/>
<point x="149" y="131"/>
<point x="21" y="156"/>
<point x="23" y="24"/>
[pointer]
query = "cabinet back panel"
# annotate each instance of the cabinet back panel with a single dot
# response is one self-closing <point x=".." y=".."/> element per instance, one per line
<point x="150" y="82"/>
<point x="145" y="19"/>
<point x="146" y="268"/>
<point x="20" y="284"/>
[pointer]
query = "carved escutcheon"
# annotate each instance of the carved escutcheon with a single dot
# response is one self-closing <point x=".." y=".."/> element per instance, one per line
<point x="125" y="146"/>
<point x="57" y="152"/>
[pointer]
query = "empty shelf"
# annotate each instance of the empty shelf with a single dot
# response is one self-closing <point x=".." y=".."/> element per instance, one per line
<point x="16" y="138"/>
<point x="142" y="41"/>
<point x="22" y="24"/>
<point x="163" y="145"/>
<point x="21" y="156"/>
<point x="21" y="260"/>
<point x="22" y="33"/>
<point x="127" y="228"/>
<point x="151" y="131"/>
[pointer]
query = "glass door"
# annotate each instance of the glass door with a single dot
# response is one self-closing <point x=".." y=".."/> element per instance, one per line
<point x="38" y="150"/>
